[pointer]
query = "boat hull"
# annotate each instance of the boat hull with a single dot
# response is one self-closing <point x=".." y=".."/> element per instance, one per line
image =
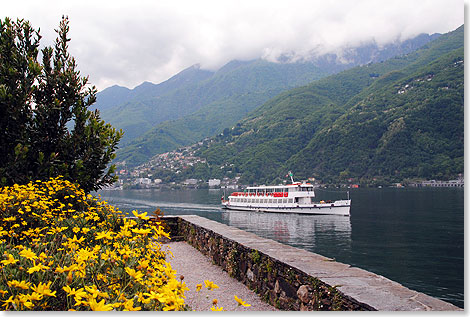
<point x="342" y="210"/>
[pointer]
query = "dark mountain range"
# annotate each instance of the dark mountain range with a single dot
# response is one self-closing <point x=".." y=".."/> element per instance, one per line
<point x="397" y="119"/>
<point x="196" y="103"/>
<point x="137" y="110"/>
<point x="207" y="108"/>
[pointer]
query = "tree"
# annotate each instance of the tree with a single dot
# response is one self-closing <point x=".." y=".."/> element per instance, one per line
<point x="46" y="128"/>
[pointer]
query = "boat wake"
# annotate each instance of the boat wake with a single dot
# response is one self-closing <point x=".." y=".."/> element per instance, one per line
<point x="132" y="204"/>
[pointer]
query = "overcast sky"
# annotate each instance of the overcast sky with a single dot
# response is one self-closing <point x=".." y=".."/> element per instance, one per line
<point x="129" y="42"/>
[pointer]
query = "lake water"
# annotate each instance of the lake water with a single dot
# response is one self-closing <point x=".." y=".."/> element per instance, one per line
<point x="412" y="236"/>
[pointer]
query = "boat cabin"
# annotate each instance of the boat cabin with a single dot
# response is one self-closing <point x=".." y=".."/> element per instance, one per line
<point x="297" y="193"/>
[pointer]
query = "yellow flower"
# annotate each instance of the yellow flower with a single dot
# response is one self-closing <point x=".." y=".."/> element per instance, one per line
<point x="29" y="254"/>
<point x="79" y="293"/>
<point x="33" y="269"/>
<point x="55" y="230"/>
<point x="141" y="231"/>
<point x="25" y="300"/>
<point x="142" y="216"/>
<point x="210" y="285"/>
<point x="35" y="296"/>
<point x="74" y="239"/>
<point x="2" y="292"/>
<point x="137" y="275"/>
<point x="22" y="284"/>
<point x="43" y="289"/>
<point x="95" y="292"/>
<point x="101" y="306"/>
<point x="107" y="235"/>
<point x="9" y="300"/>
<point x="129" y="306"/>
<point x="161" y="297"/>
<point x="10" y="260"/>
<point x="214" y="308"/>
<point x="241" y="302"/>
<point x="144" y="263"/>
<point x="83" y="255"/>
<point x="198" y="287"/>
<point x="102" y="277"/>
<point x="72" y="267"/>
<point x="37" y="268"/>
<point x="108" y="254"/>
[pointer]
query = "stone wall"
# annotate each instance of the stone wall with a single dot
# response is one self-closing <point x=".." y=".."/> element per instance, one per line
<point x="278" y="283"/>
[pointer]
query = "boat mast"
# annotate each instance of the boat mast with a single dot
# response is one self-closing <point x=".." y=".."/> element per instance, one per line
<point x="291" y="177"/>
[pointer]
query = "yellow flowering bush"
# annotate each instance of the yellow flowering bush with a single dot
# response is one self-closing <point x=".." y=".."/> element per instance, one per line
<point x="64" y="250"/>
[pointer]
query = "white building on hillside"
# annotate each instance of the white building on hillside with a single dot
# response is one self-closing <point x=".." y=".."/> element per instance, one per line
<point x="214" y="182"/>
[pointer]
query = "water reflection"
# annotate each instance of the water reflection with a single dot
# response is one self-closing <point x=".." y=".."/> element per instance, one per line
<point x="294" y="229"/>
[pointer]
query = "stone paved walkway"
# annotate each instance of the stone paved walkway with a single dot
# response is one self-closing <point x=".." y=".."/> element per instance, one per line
<point x="196" y="268"/>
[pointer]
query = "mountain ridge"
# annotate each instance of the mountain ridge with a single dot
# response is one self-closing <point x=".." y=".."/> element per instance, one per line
<point x="236" y="88"/>
<point x="305" y="129"/>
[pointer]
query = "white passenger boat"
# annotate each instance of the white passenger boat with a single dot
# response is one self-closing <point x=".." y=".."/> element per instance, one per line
<point x="291" y="198"/>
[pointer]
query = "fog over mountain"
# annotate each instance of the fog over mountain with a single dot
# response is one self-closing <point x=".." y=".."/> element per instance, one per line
<point x="129" y="42"/>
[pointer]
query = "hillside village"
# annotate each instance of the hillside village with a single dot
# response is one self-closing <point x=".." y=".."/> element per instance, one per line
<point x="173" y="162"/>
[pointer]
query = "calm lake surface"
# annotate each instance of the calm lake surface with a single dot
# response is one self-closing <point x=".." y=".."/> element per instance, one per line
<point x="412" y="236"/>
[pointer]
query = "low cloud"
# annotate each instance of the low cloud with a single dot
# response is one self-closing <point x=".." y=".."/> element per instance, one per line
<point x="129" y="42"/>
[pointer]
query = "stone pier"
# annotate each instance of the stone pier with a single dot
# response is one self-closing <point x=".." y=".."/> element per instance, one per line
<point x="290" y="278"/>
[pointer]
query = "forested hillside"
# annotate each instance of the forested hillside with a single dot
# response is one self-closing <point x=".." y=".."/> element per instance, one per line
<point x="398" y="119"/>
<point x="197" y="103"/>
<point x="206" y="108"/>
